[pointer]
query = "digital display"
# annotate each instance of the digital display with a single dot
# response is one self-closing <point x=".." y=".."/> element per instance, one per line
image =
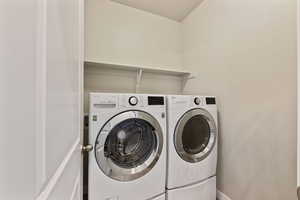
<point x="152" y="101"/>
<point x="210" y="100"/>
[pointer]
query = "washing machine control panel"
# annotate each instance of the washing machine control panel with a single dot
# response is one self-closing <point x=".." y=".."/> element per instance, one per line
<point x="156" y="100"/>
<point x="197" y="100"/>
<point x="133" y="101"/>
<point x="105" y="101"/>
<point x="128" y="100"/>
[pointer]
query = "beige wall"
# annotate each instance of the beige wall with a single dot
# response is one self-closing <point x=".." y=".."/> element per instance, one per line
<point x="245" y="53"/>
<point x="119" y="34"/>
<point x="106" y="80"/>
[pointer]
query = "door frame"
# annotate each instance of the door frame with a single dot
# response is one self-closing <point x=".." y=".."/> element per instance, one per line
<point x="298" y="93"/>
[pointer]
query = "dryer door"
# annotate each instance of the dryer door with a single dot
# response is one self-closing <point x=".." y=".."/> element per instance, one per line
<point x="195" y="135"/>
<point x="129" y="145"/>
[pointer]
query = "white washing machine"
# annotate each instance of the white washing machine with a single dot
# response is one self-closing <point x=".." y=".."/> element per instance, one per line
<point x="128" y="133"/>
<point x="192" y="147"/>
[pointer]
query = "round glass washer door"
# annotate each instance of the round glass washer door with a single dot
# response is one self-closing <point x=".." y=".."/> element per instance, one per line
<point x="195" y="135"/>
<point x="129" y="145"/>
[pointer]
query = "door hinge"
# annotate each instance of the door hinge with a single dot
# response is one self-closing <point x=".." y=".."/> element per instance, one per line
<point x="87" y="148"/>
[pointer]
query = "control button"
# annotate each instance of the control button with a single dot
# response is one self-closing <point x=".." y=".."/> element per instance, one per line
<point x="197" y="101"/>
<point x="133" y="101"/>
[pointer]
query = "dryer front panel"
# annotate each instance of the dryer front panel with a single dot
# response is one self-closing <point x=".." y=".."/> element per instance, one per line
<point x="195" y="135"/>
<point x="205" y="190"/>
<point x="129" y="145"/>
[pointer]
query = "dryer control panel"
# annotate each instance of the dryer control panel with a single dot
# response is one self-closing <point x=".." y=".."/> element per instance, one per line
<point x="204" y="100"/>
<point x="189" y="100"/>
<point x="210" y="100"/>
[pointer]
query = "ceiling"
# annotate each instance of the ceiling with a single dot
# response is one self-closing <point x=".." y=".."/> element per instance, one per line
<point x="173" y="9"/>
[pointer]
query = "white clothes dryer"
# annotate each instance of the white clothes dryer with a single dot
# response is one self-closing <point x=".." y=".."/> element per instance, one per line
<point x="192" y="147"/>
<point x="128" y="133"/>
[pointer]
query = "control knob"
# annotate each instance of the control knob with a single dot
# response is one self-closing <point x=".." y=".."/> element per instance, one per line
<point x="197" y="100"/>
<point x="133" y="101"/>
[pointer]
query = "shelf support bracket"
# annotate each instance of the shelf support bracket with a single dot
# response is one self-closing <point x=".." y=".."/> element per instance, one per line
<point x="138" y="80"/>
<point x="184" y="81"/>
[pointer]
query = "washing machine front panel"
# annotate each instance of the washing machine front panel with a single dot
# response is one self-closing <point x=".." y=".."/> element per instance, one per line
<point x="129" y="145"/>
<point x="195" y="135"/>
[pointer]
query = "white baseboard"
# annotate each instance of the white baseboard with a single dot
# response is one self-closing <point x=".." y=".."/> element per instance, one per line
<point x="222" y="196"/>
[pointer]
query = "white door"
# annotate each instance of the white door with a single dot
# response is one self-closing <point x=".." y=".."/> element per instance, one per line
<point x="298" y="100"/>
<point x="41" y="54"/>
